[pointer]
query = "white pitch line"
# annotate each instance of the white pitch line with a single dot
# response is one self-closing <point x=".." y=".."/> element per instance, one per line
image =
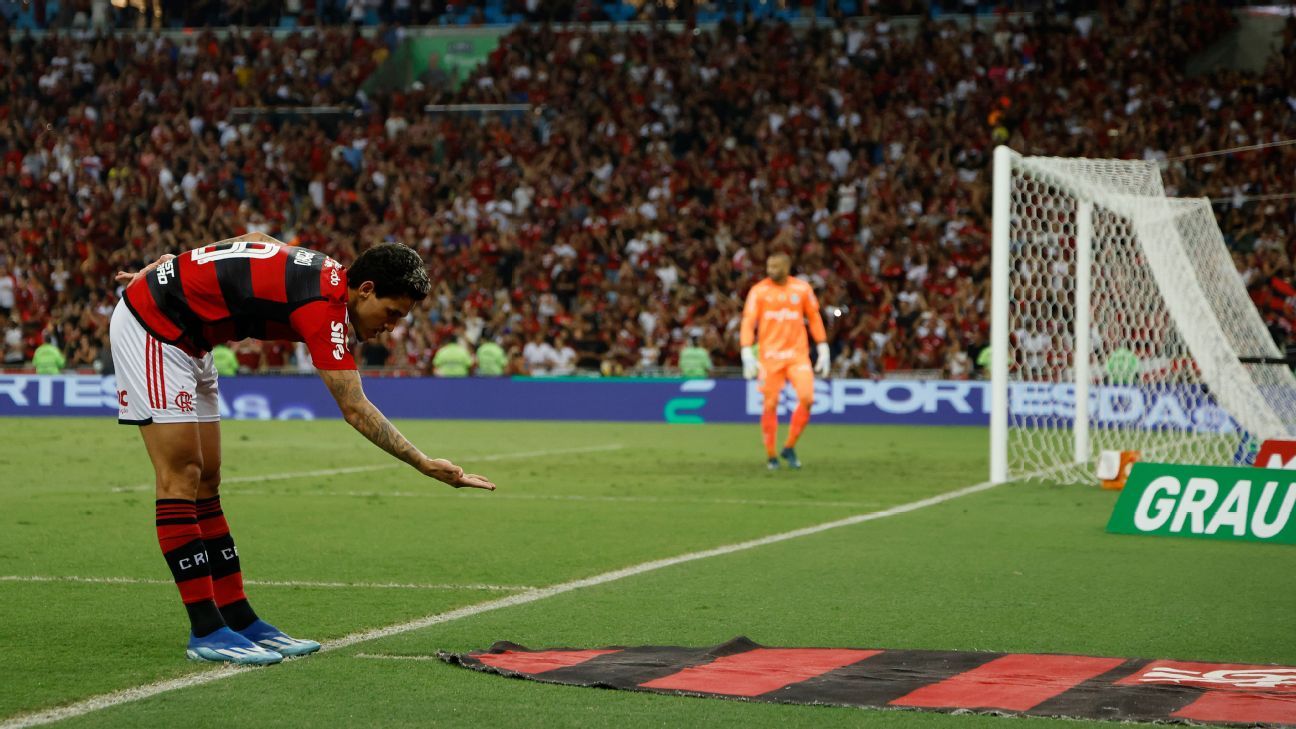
<point x="117" y="698"/>
<point x="586" y="497"/>
<point x="268" y="583"/>
<point x="383" y="466"/>
<point x="397" y="658"/>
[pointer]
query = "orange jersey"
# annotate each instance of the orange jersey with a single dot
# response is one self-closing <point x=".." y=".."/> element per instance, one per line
<point x="778" y="315"/>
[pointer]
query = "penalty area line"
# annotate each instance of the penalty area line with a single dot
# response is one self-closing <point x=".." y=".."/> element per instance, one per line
<point x="117" y="698"/>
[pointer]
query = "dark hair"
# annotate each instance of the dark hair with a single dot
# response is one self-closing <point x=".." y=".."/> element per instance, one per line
<point x="395" y="271"/>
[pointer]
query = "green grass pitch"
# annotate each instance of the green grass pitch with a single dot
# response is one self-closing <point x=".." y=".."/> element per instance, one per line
<point x="1022" y="567"/>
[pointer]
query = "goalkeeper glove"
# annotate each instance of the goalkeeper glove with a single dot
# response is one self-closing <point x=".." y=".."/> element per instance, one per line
<point x="822" y="359"/>
<point x="750" y="368"/>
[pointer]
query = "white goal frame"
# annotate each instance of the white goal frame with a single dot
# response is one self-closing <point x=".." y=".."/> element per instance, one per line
<point x="1215" y="323"/>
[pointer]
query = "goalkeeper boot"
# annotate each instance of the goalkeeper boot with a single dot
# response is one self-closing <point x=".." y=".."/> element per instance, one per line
<point x="268" y="636"/>
<point x="226" y="646"/>
<point x="772" y="464"/>
<point x="789" y="455"/>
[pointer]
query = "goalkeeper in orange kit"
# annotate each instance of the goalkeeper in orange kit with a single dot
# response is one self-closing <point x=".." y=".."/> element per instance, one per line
<point x="777" y="311"/>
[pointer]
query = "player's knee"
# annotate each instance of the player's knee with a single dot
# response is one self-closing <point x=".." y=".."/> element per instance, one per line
<point x="805" y="399"/>
<point x="209" y="483"/>
<point x="180" y="480"/>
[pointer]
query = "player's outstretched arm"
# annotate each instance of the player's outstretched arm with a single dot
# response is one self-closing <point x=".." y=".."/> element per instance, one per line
<point x="372" y="424"/>
<point x="126" y="278"/>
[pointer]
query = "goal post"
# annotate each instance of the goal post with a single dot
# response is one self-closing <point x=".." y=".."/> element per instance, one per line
<point x="1119" y="322"/>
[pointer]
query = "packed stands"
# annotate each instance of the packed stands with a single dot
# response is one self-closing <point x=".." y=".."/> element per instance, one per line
<point x="633" y="203"/>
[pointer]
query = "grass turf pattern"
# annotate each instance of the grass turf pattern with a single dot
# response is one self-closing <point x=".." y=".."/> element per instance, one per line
<point x="1023" y="567"/>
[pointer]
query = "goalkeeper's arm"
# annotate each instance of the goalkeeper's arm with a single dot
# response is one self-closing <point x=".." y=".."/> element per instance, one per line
<point x="747" y="336"/>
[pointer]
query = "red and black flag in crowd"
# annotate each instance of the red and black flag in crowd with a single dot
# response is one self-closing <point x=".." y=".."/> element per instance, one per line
<point x="1053" y="685"/>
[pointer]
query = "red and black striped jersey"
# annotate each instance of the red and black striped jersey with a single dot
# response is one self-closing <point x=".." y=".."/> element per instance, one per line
<point x="232" y="291"/>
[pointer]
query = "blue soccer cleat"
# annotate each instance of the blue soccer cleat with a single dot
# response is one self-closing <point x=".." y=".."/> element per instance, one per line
<point x="772" y="464"/>
<point x="268" y="636"/>
<point x="226" y="646"/>
<point x="789" y="455"/>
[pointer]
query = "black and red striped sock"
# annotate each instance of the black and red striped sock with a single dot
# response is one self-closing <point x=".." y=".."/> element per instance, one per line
<point x="186" y="555"/>
<point x="227" y="575"/>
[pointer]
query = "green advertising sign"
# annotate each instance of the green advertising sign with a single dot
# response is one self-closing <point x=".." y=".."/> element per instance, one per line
<point x="1207" y="502"/>
<point x="438" y="56"/>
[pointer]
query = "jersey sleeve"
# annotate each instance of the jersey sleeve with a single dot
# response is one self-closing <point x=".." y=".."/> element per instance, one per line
<point x="751" y="314"/>
<point x="322" y="325"/>
<point x="812" y="315"/>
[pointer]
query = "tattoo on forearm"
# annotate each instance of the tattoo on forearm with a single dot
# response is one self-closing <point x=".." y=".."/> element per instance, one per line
<point x="370" y="421"/>
<point x="378" y="429"/>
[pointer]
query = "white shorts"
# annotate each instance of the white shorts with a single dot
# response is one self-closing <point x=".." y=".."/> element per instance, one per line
<point x="157" y="382"/>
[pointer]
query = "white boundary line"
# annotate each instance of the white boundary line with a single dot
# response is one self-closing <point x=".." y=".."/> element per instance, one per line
<point x="576" y="497"/>
<point x="397" y="658"/>
<point x="117" y="698"/>
<point x="384" y="466"/>
<point x="266" y="583"/>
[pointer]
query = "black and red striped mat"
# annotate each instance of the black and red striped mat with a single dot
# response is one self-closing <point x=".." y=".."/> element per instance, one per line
<point x="1081" y="687"/>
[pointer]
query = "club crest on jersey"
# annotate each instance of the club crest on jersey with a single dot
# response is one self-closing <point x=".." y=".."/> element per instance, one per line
<point x="184" y="401"/>
<point x="796" y="299"/>
<point x="338" y="337"/>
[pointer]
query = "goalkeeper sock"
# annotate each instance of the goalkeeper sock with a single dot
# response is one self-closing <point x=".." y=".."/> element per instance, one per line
<point x="227" y="575"/>
<point x="800" y="417"/>
<point x="769" y="430"/>
<point x="186" y="554"/>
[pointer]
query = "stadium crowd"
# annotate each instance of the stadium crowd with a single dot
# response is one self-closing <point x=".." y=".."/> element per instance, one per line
<point x="629" y="210"/>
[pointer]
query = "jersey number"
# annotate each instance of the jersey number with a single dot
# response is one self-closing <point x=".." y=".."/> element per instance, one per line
<point x="211" y="254"/>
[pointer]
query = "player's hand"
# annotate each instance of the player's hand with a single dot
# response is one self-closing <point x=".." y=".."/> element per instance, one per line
<point x="126" y="278"/>
<point x="448" y="473"/>
<point x="823" y="360"/>
<point x="751" y="369"/>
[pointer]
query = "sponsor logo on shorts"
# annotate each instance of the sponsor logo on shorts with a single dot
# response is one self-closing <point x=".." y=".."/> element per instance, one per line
<point x="121" y="398"/>
<point x="184" y="401"/>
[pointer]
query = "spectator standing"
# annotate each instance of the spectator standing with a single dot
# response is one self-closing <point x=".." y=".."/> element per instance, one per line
<point x="8" y="287"/>
<point x="539" y="355"/>
<point x="491" y="359"/>
<point x="453" y="358"/>
<point x="47" y="359"/>
<point x="225" y="360"/>
<point x="695" y="361"/>
<point x="14" y="351"/>
<point x="564" y="356"/>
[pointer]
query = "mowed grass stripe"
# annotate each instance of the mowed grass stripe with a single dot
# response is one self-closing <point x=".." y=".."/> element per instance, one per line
<point x="347" y="470"/>
<point x="268" y="583"/>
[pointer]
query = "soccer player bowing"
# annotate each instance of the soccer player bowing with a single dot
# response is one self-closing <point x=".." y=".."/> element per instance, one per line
<point x="170" y="316"/>
<point x="775" y="315"/>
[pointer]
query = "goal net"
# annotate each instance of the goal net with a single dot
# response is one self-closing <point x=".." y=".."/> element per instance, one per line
<point x="1119" y="322"/>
